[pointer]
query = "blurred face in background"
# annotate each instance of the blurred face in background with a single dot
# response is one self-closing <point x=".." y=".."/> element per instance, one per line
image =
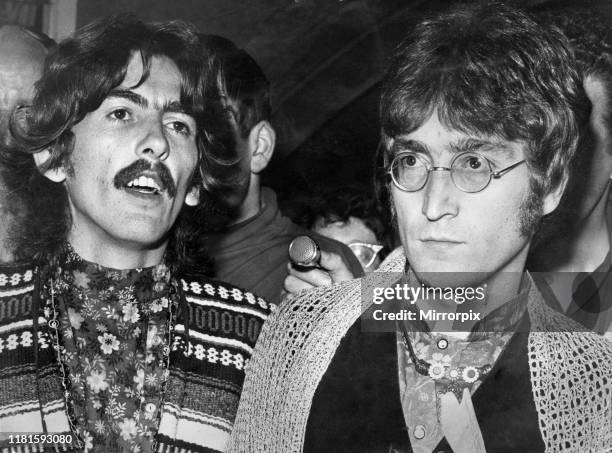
<point x="357" y="235"/>
<point x="21" y="63"/>
<point x="600" y="168"/>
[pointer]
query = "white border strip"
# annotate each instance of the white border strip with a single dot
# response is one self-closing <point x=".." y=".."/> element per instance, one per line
<point x="214" y="303"/>
<point x="15" y="292"/>
<point x="215" y="340"/>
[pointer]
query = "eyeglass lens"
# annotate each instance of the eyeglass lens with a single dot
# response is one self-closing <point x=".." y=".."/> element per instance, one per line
<point x="470" y="172"/>
<point x="364" y="254"/>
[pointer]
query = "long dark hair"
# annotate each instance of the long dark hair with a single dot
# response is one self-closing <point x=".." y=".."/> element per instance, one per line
<point x="78" y="75"/>
<point x="491" y="70"/>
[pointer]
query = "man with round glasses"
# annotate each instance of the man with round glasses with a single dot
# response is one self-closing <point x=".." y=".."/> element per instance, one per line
<point x="482" y="111"/>
<point x="470" y="172"/>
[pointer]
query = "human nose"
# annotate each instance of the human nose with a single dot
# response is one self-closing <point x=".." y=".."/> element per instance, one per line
<point x="154" y="143"/>
<point x="439" y="200"/>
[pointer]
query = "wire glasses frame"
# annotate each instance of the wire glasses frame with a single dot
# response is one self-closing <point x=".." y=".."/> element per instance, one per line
<point x="470" y="172"/>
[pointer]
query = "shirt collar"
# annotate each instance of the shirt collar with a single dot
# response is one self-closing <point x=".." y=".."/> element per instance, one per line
<point x="504" y="319"/>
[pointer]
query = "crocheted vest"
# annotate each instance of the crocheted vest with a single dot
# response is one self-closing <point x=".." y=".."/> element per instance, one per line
<point x="205" y="376"/>
<point x="569" y="370"/>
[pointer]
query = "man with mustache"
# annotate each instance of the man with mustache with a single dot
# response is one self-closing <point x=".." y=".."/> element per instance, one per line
<point x="482" y="110"/>
<point x="113" y="337"/>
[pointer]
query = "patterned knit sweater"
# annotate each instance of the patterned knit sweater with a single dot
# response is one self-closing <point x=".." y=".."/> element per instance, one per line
<point x="206" y="369"/>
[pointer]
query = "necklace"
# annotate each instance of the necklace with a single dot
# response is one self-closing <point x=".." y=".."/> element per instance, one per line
<point x="454" y="379"/>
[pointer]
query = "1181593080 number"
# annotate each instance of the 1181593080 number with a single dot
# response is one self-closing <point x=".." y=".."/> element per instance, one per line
<point x="30" y="438"/>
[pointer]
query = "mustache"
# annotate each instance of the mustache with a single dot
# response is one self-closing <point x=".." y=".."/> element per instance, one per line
<point x="135" y="169"/>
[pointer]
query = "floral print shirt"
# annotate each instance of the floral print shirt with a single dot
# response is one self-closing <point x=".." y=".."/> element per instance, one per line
<point x="420" y="394"/>
<point x="112" y="331"/>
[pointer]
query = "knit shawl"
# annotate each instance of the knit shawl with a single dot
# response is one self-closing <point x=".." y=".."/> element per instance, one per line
<point x="571" y="371"/>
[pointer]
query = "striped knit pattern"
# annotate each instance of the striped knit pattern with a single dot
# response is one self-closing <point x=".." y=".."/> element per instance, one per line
<point x="206" y="372"/>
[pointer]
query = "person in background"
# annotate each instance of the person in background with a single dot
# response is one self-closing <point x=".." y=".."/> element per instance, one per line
<point x="348" y="214"/>
<point x="482" y="112"/>
<point x="575" y="261"/>
<point x="111" y="336"/>
<point x="22" y="53"/>
<point x="253" y="251"/>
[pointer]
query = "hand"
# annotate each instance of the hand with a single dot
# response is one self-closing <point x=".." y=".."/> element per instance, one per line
<point x="332" y="270"/>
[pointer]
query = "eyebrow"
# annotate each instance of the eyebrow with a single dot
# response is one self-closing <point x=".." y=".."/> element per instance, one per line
<point x="141" y="101"/>
<point x="403" y="144"/>
<point x="481" y="146"/>
<point x="461" y="146"/>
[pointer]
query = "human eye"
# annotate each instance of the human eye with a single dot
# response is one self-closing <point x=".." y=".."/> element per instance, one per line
<point x="180" y="126"/>
<point x="471" y="162"/>
<point x="120" y="114"/>
<point x="408" y="160"/>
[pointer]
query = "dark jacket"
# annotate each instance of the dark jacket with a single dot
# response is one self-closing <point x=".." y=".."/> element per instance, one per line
<point x="254" y="254"/>
<point x="357" y="407"/>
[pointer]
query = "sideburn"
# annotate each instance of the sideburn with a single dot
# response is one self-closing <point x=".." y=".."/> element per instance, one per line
<point x="530" y="213"/>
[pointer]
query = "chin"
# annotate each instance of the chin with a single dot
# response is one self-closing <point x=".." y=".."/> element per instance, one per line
<point x="449" y="279"/>
<point x="446" y="273"/>
<point x="142" y="238"/>
<point x="429" y="264"/>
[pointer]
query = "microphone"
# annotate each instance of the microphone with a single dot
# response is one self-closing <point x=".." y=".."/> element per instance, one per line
<point x="304" y="252"/>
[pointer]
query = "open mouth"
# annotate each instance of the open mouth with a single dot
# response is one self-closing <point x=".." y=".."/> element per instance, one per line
<point x="145" y="179"/>
<point x="144" y="185"/>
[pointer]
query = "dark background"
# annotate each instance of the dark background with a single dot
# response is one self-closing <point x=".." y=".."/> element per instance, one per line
<point x="324" y="59"/>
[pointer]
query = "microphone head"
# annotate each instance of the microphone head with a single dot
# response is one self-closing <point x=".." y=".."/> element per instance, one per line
<point x="304" y="251"/>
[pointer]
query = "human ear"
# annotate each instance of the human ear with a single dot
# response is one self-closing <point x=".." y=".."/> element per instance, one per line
<point x="193" y="196"/>
<point x="54" y="174"/>
<point x="262" y="140"/>
<point x="551" y="201"/>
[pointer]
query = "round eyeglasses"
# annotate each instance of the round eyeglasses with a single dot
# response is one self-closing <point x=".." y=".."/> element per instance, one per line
<point x="469" y="171"/>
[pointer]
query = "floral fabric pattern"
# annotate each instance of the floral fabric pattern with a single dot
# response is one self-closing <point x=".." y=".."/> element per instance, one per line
<point x="113" y="328"/>
<point x="420" y="394"/>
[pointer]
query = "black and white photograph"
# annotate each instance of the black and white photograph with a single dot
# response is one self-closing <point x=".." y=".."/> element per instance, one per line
<point x="319" y="226"/>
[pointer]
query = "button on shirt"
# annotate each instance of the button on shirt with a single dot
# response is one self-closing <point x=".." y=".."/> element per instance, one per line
<point x="420" y="393"/>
